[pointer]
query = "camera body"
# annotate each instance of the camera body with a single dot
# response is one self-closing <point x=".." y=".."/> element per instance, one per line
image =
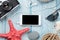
<point x="6" y="6"/>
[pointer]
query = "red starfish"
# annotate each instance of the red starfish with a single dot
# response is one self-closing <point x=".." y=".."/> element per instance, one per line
<point x="14" y="34"/>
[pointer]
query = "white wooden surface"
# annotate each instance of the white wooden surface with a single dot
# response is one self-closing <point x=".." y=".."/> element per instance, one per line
<point x="25" y="8"/>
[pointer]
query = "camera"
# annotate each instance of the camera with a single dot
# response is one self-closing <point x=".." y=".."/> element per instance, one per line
<point x="6" y="6"/>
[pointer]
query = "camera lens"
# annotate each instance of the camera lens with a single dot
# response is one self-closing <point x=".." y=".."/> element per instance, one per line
<point x="7" y="6"/>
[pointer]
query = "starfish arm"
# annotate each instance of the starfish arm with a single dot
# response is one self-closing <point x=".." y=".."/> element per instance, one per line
<point x="24" y="31"/>
<point x="11" y="25"/>
<point x="3" y="35"/>
<point x="15" y="39"/>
